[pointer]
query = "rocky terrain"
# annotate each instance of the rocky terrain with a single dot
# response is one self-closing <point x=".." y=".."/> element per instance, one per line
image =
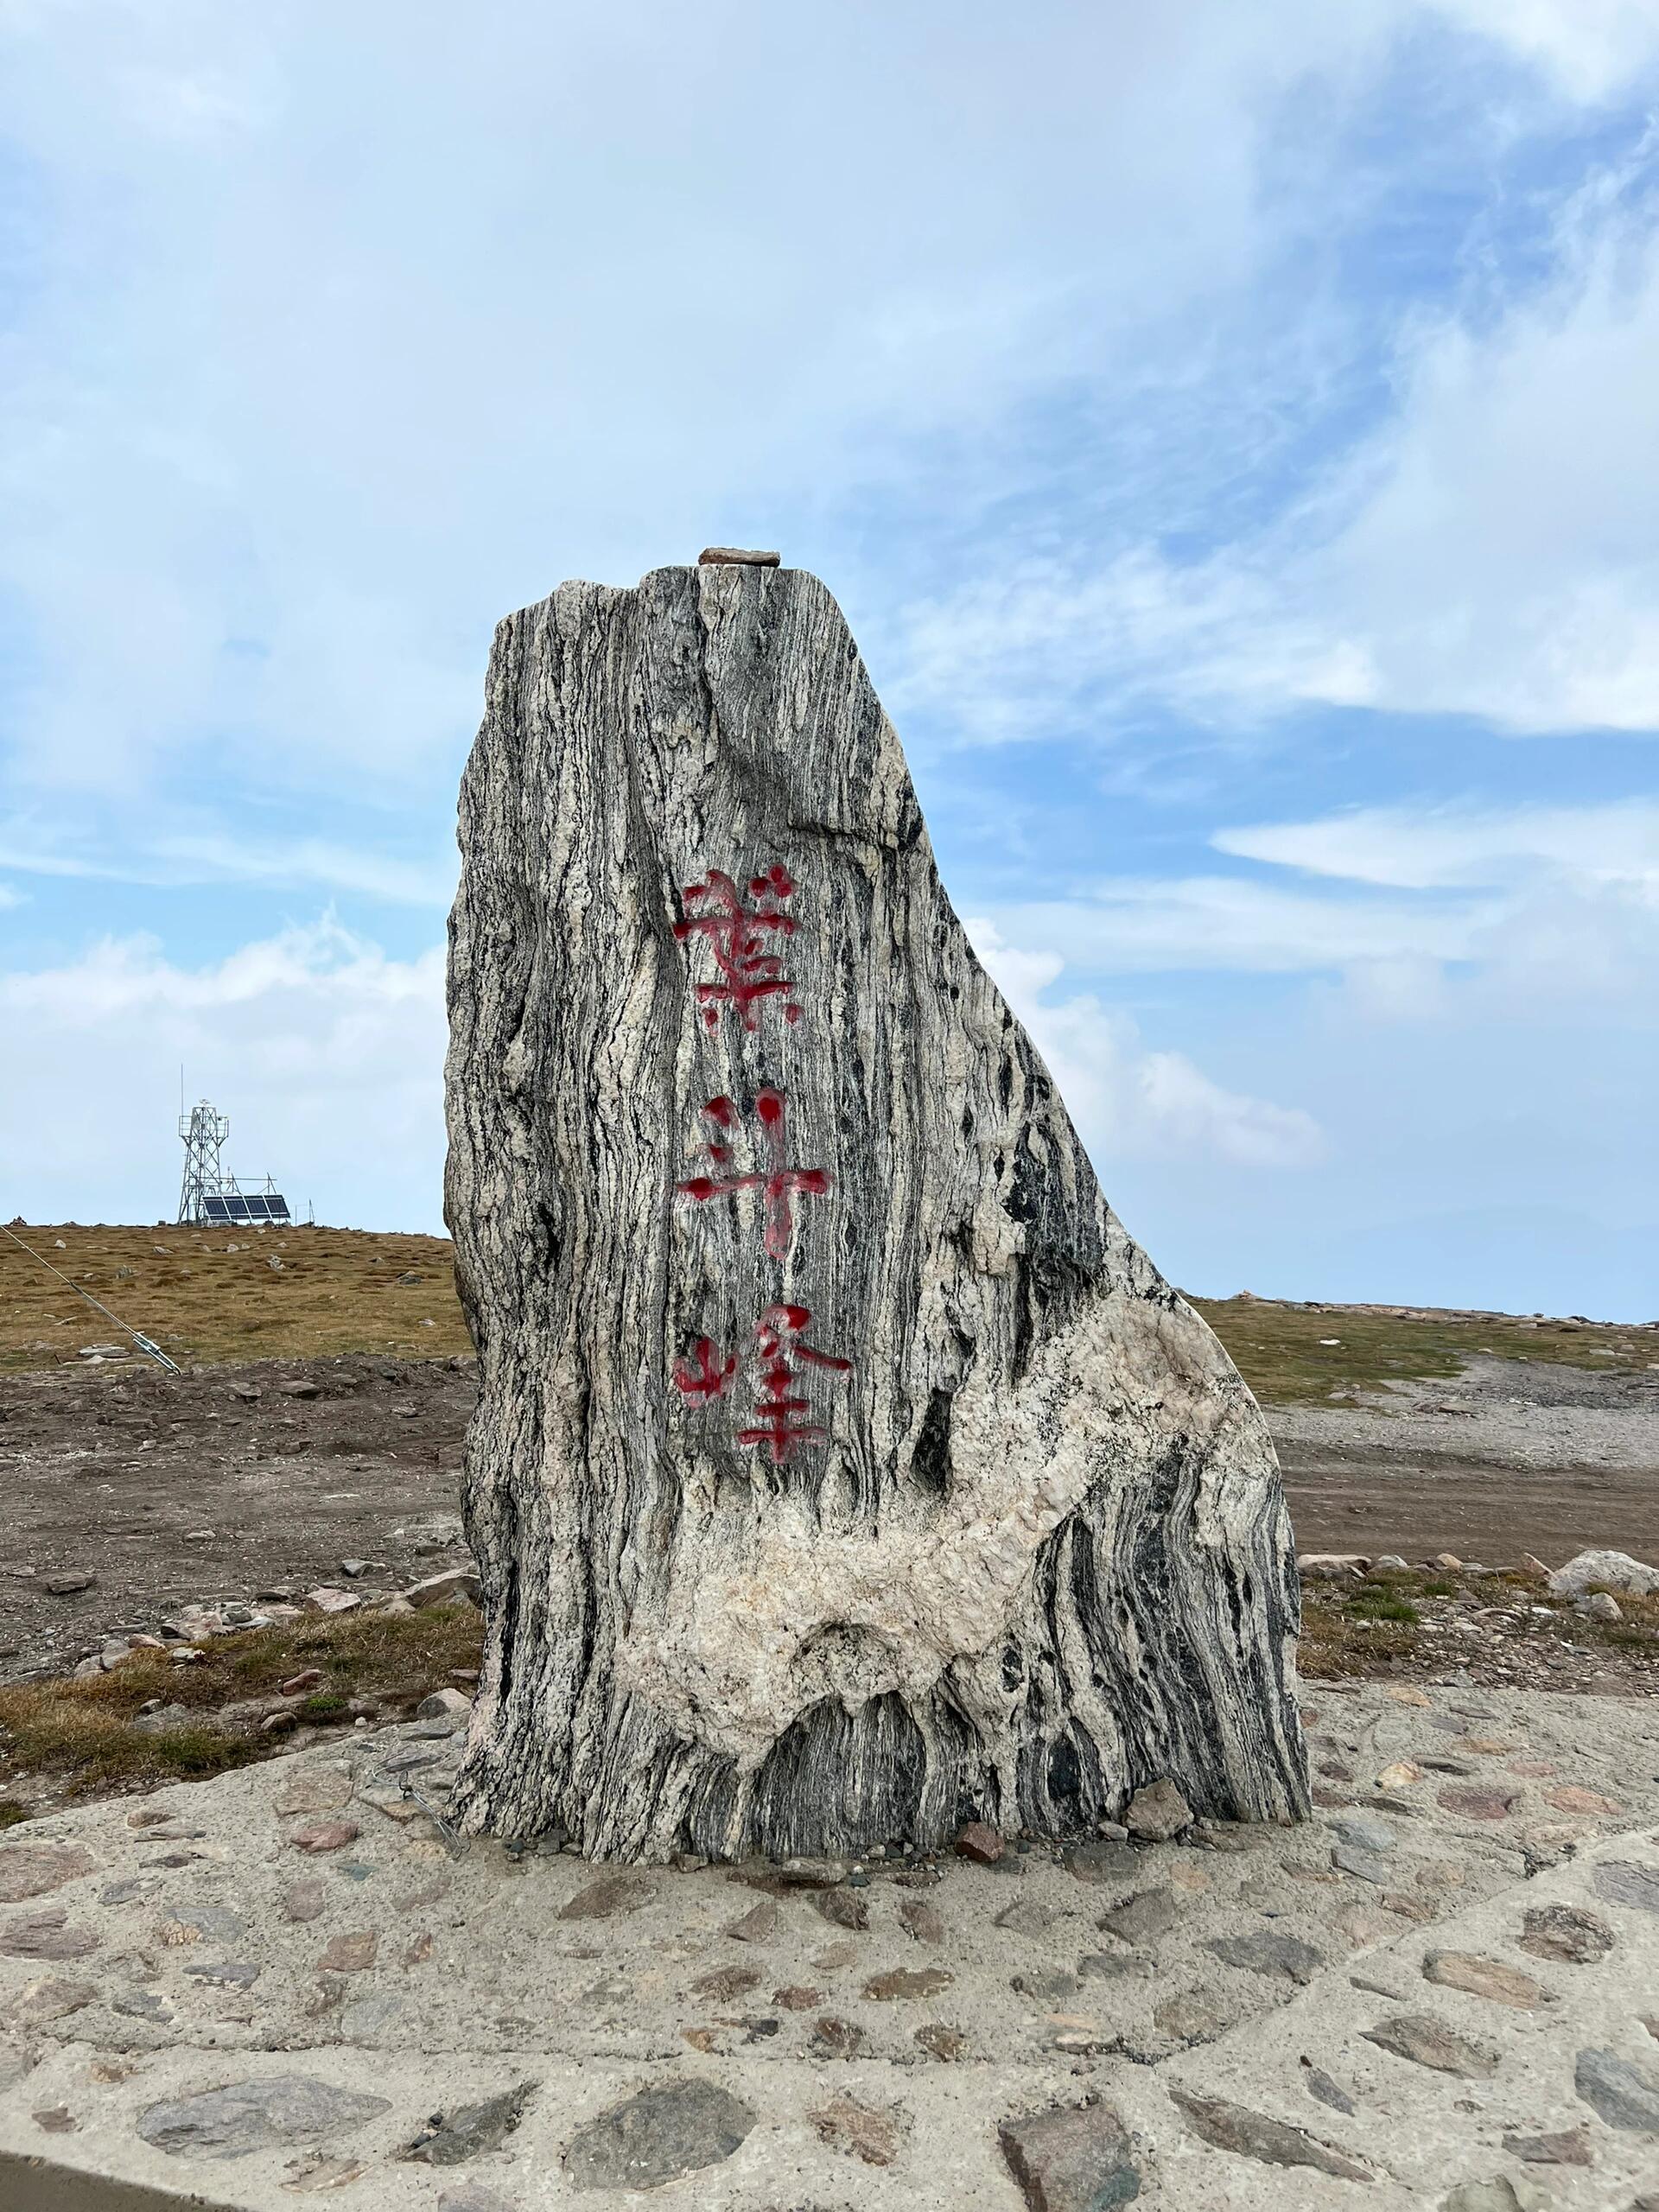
<point x="1440" y="1992"/>
<point x="288" y="1978"/>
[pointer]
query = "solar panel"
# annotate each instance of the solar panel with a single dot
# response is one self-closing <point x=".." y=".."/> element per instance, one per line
<point x="245" y="1211"/>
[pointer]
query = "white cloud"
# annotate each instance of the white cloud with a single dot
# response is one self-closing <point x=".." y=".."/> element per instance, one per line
<point x="1503" y="560"/>
<point x="1131" y="1102"/>
<point x="221" y="856"/>
<point x="1220" y="924"/>
<point x="299" y="405"/>
<point x="1592" y="48"/>
<point x="1566" y="913"/>
<point x="1442" y="847"/>
<point x="1489" y="548"/>
<point x="326" y="1054"/>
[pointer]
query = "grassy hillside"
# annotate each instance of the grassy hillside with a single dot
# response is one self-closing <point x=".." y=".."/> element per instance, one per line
<point x="207" y="1296"/>
<point x="1283" y="1353"/>
<point x="214" y="1296"/>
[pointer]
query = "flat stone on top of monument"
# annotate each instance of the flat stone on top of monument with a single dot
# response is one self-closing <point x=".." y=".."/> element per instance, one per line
<point x="843" y="1473"/>
<point x="714" y="555"/>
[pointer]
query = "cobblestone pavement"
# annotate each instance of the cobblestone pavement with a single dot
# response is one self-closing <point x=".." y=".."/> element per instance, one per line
<point x="1443" y="1991"/>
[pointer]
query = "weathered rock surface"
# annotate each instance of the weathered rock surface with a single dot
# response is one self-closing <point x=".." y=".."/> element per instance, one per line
<point x="1604" y="1570"/>
<point x="1072" y="2159"/>
<point x="1257" y="2135"/>
<point x="247" y="2116"/>
<point x="843" y="1470"/>
<point x="678" y="2128"/>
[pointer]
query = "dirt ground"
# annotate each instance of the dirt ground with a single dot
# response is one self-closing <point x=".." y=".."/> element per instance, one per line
<point x="173" y="1489"/>
<point x="240" y="1478"/>
<point x="1510" y="1458"/>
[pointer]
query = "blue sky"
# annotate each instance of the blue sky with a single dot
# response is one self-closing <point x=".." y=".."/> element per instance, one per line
<point x="1230" y="432"/>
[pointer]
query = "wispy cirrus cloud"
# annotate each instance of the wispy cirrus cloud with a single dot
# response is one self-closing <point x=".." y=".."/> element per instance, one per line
<point x="165" y="858"/>
<point x="1441" y="846"/>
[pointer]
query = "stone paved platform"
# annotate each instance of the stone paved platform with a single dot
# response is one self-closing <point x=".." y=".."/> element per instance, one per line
<point x="1444" y="1991"/>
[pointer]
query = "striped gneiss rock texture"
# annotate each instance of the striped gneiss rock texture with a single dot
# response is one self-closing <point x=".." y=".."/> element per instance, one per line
<point x="841" y="1470"/>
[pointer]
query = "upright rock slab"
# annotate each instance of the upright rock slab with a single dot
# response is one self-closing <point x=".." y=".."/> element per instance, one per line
<point x="841" y="1470"/>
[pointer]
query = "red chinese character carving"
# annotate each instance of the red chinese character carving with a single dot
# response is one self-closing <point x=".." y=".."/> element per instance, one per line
<point x="778" y="1181"/>
<point x="704" y="1374"/>
<point x="776" y="1428"/>
<point x="738" y="937"/>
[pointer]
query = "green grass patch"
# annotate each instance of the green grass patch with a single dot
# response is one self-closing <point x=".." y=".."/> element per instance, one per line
<point x="325" y="1705"/>
<point x="1280" y="1352"/>
<point x="1375" y="1603"/>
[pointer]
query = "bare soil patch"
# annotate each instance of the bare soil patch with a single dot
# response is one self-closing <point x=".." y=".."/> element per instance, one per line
<point x="219" y="1484"/>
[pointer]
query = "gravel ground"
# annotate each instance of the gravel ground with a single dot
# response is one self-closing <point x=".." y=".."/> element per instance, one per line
<point x="1511" y="1457"/>
<point x="224" y="1482"/>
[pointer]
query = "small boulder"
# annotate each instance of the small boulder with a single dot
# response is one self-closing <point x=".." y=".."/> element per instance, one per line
<point x="1158" y="1812"/>
<point x="454" y="1582"/>
<point x="330" y="1600"/>
<point x="1600" y="1606"/>
<point x="1607" y="1570"/>
<point x="444" y="1705"/>
<point x="979" y="1843"/>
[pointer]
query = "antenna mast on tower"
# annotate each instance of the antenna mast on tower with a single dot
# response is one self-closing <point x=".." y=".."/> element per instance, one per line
<point x="203" y="1132"/>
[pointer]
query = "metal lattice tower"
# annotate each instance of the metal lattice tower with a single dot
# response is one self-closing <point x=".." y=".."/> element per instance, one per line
<point x="204" y="1133"/>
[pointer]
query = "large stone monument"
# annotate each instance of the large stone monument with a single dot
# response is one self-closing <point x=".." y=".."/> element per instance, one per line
<point x="841" y="1470"/>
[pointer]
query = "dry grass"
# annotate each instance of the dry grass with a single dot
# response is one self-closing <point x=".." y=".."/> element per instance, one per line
<point x="211" y="1296"/>
<point x="207" y="1297"/>
<point x="83" y="1731"/>
<point x="1278" y="1352"/>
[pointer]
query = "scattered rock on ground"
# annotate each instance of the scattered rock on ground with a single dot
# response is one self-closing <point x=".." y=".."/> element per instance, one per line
<point x="872" y="2134"/>
<point x="1569" y="2146"/>
<point x="607" y="1898"/>
<point x="905" y="1982"/>
<point x="1268" y="1952"/>
<point x="1488" y="1978"/>
<point x="979" y="1843"/>
<point x="1158" y="1812"/>
<point x="1566" y="1933"/>
<point x="31" y="1870"/>
<point x="1621" y="1883"/>
<point x="1256" y="2135"/>
<point x="1426" y="2042"/>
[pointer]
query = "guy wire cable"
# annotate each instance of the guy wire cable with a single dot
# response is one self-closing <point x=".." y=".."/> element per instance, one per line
<point x="151" y="1350"/>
